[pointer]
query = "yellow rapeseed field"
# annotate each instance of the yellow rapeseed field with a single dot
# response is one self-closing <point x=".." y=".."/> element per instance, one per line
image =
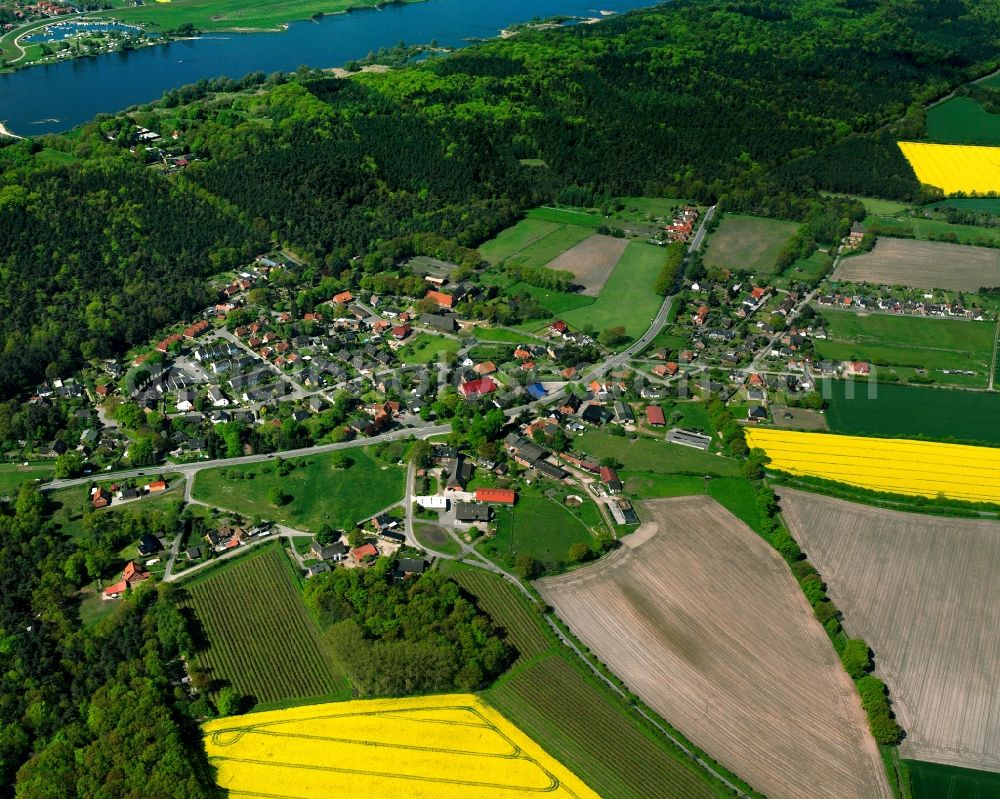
<point x="917" y="468"/>
<point x="435" y="747"/>
<point x="954" y="167"/>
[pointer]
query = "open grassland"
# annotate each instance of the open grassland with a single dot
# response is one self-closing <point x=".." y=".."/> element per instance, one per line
<point x="552" y="697"/>
<point x="914" y="412"/>
<point x="923" y="264"/>
<point x="746" y="672"/>
<point x="427" y="347"/>
<point x="986" y="205"/>
<point x="962" y="120"/>
<point x="319" y="492"/>
<point x="922" y="591"/>
<point x="890" y="465"/>
<point x="591" y="261"/>
<point x="748" y="243"/>
<point x="645" y="454"/>
<point x="627" y="298"/>
<point x="13" y="474"/>
<point x="535" y="250"/>
<point x="452" y="746"/>
<point x="935" y="781"/>
<point x="260" y="637"/>
<point x="911" y="341"/>
<point x="589" y="217"/>
<point x="517" y="238"/>
<point x="537" y="526"/>
<point x="231" y="15"/>
<point x="932" y="229"/>
<point x="953" y="167"/>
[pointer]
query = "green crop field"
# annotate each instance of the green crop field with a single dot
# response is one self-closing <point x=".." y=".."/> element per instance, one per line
<point x="228" y="15"/>
<point x="552" y="697"/>
<point x="961" y="120"/>
<point x="748" y="243"/>
<point x="533" y="242"/>
<point x="932" y="230"/>
<point x="627" y="298"/>
<point x="936" y="781"/>
<point x="915" y="412"/>
<point x="654" y="455"/>
<point x="736" y="494"/>
<point x="320" y="493"/>
<point x="537" y="526"/>
<point x="913" y="342"/>
<point x="260" y="637"/>
<point x="988" y="205"/>
<point x="874" y="205"/>
<point x="568" y="216"/>
<point x="427" y="347"/>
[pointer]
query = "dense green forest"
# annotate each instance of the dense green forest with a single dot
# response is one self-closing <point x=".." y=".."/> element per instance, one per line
<point x="755" y="104"/>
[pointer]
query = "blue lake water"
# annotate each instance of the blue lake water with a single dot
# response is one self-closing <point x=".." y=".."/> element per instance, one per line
<point x="51" y="98"/>
<point x="65" y="30"/>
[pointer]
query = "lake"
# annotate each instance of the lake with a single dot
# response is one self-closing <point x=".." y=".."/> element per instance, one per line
<point x="56" y="97"/>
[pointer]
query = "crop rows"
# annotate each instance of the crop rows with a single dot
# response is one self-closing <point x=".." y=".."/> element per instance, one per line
<point x="496" y="597"/>
<point x="556" y="705"/>
<point x="260" y="636"/>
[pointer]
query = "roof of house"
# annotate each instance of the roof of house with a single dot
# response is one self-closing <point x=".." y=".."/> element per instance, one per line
<point x="343" y="297"/>
<point x="609" y="475"/>
<point x="654" y="414"/>
<point x="504" y="496"/>
<point x="441" y="298"/>
<point x="483" y="385"/>
<point x="157" y="485"/>
<point x="468" y="512"/>
<point x="364" y="551"/>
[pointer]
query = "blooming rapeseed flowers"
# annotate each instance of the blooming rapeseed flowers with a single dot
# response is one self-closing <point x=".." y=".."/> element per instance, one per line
<point x="954" y="167"/>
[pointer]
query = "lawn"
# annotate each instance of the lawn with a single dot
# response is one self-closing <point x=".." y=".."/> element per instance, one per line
<point x="810" y="269"/>
<point x="13" y="474"/>
<point x="735" y="494"/>
<point x="654" y="455"/>
<point x="220" y="15"/>
<point x="537" y="526"/>
<point x="627" y="298"/>
<point x="259" y="635"/>
<point x="320" y="493"/>
<point x="962" y="120"/>
<point x="436" y="538"/>
<point x="554" y="699"/>
<point x="67" y="505"/>
<point x="748" y="243"/>
<point x="937" y="781"/>
<point x="911" y="341"/>
<point x="427" y="347"/>
<point x="557" y="303"/>
<point x="916" y="412"/>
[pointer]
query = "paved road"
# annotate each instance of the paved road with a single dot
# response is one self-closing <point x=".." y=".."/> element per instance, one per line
<point x="31" y="27"/>
<point x="188" y="470"/>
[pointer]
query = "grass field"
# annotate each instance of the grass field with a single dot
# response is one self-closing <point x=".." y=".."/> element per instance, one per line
<point x="537" y="526"/>
<point x="915" y="411"/>
<point x="746" y="673"/>
<point x="627" y="298"/>
<point x="748" y="243"/>
<point x="923" y="264"/>
<point x="809" y="269"/>
<point x="426" y="347"/>
<point x="260" y="637"/>
<point x="533" y="242"/>
<point x="911" y="341"/>
<point x="550" y="695"/>
<point x="961" y="120"/>
<point x="436" y="538"/>
<point x="568" y="216"/>
<point x="935" y="781"/>
<point x="921" y="591"/>
<point x="887" y="465"/>
<point x="228" y="15"/>
<point x="320" y="493"/>
<point x="953" y="167"/>
<point x="653" y="455"/>
<point x="451" y="746"/>
<point x="13" y="474"/>
<point x="591" y="261"/>
<point x="988" y="205"/>
<point x="931" y="229"/>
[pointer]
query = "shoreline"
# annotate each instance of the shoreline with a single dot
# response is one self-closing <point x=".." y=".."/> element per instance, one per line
<point x="4" y="131"/>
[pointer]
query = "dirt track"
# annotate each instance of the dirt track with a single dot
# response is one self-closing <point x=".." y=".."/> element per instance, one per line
<point x="591" y="261"/>
<point x="922" y="590"/>
<point x="704" y="621"/>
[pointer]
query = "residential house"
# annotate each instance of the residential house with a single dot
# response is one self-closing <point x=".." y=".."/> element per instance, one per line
<point x="610" y="479"/>
<point x="474" y="389"/>
<point x="336" y="551"/>
<point x="443" y="299"/>
<point x="317" y="568"/>
<point x="470" y="513"/>
<point x="149" y="545"/>
<point x="444" y="323"/>
<point x="131" y="576"/>
<point x="364" y="554"/>
<point x="459" y="474"/>
<point x="100" y="497"/>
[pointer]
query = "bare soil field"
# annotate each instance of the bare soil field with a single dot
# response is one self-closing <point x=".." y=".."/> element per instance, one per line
<point x="798" y="418"/>
<point x="923" y="264"/>
<point x="922" y="591"/>
<point x="592" y="261"/>
<point x="703" y="620"/>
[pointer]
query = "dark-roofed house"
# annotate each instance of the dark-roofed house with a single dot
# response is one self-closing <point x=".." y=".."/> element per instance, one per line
<point x="149" y="545"/>
<point x="623" y="412"/>
<point x="407" y="567"/>
<point x="335" y="551"/>
<point x="596" y="414"/>
<point x="470" y="513"/>
<point x="459" y="474"/>
<point x="610" y="479"/>
<point x="447" y="324"/>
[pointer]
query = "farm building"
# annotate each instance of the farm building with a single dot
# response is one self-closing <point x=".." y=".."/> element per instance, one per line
<point x="610" y="479"/>
<point x="469" y="513"/>
<point x="499" y="496"/>
<point x="654" y="416"/>
<point x="364" y="553"/>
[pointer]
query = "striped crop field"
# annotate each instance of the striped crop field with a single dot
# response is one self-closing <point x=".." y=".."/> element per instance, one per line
<point x="955" y="167"/>
<point x="446" y="747"/>
<point x="260" y="636"/>
<point x="895" y="466"/>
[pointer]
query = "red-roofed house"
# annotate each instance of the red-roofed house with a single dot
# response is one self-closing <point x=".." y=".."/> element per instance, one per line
<point x="610" y="479"/>
<point x="521" y="354"/>
<point x="131" y="576"/>
<point x="654" y="415"/>
<point x="156" y="486"/>
<point x="485" y="368"/>
<point x="756" y="380"/>
<point x="100" y="497"/>
<point x="164" y="345"/>
<point x="500" y="496"/>
<point x="859" y="368"/>
<point x="477" y="388"/>
<point x="442" y="299"/>
<point x="559" y="327"/>
<point x="364" y="553"/>
<point x="196" y="329"/>
<point x="399" y="332"/>
<point x="343" y="298"/>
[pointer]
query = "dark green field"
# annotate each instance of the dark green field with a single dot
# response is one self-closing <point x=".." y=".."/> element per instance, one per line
<point x="915" y="412"/>
<point x="259" y="635"/>
<point x="552" y="696"/>
<point x="934" y="781"/>
<point x="961" y="120"/>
